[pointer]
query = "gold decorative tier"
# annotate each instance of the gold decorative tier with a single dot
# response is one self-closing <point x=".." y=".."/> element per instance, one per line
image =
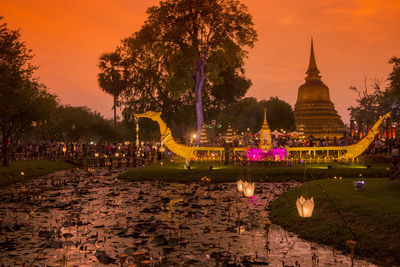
<point x="314" y="111"/>
<point x="265" y="133"/>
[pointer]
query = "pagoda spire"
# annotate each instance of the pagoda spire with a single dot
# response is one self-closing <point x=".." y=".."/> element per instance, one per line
<point x="265" y="125"/>
<point x="312" y="72"/>
<point x="265" y="133"/>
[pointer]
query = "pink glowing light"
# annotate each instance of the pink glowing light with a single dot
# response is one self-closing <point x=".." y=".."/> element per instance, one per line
<point x="257" y="154"/>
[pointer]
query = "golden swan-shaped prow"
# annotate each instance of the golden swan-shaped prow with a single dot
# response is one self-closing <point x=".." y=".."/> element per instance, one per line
<point x="187" y="152"/>
<point x="353" y="151"/>
<point x="167" y="139"/>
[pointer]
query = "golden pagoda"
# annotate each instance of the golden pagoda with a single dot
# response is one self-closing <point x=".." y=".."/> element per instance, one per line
<point x="203" y="136"/>
<point x="265" y="133"/>
<point x="229" y="134"/>
<point x="314" y="111"/>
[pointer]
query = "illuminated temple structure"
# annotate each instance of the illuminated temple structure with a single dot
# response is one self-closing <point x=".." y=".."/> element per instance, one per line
<point x="314" y="111"/>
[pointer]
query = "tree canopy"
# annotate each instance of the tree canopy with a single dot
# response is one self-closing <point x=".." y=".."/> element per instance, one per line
<point x="112" y="77"/>
<point x="23" y="99"/>
<point x="394" y="78"/>
<point x="76" y="124"/>
<point x="249" y="113"/>
<point x="189" y="54"/>
<point x="375" y="100"/>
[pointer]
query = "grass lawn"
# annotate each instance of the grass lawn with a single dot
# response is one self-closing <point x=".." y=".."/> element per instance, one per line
<point x="373" y="214"/>
<point x="31" y="168"/>
<point x="231" y="173"/>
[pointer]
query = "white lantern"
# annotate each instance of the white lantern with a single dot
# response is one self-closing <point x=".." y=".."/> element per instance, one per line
<point x="305" y="207"/>
<point x="240" y="185"/>
<point x="358" y="185"/>
<point x="249" y="189"/>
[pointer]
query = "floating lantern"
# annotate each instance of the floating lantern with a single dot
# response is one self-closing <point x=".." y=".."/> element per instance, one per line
<point x="240" y="185"/>
<point x="305" y="207"/>
<point x="358" y="185"/>
<point x="249" y="189"/>
<point x="205" y="179"/>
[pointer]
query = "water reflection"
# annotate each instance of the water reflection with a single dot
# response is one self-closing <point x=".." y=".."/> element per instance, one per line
<point x="85" y="220"/>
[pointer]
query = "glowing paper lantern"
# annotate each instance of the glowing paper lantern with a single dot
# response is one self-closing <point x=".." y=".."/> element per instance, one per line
<point x="358" y="185"/>
<point x="305" y="207"/>
<point x="96" y="154"/>
<point x="116" y="154"/>
<point x="249" y="189"/>
<point x="240" y="185"/>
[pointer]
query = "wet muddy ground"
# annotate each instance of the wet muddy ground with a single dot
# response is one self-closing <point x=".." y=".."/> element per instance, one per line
<point x="77" y="218"/>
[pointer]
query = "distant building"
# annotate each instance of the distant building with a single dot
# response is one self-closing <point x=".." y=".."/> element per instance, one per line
<point x="314" y="111"/>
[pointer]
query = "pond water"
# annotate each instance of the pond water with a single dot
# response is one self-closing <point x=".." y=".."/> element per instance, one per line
<point x="77" y="218"/>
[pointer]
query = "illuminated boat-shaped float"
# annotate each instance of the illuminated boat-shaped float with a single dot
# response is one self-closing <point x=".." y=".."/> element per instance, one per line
<point x="191" y="153"/>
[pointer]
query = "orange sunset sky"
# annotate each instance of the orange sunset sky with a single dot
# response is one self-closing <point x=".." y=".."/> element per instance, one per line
<point x="353" y="39"/>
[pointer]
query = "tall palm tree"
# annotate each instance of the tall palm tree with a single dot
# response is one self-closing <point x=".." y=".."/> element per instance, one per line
<point x="111" y="77"/>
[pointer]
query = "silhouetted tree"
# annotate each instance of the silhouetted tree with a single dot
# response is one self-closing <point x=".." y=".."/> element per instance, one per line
<point x="24" y="102"/>
<point x="374" y="100"/>
<point x="112" y="78"/>
<point x="249" y="113"/>
<point x="394" y="78"/>
<point x="200" y="39"/>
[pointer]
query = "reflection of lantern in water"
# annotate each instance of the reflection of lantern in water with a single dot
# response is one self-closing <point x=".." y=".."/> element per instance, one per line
<point x="240" y="185"/>
<point x="267" y="226"/>
<point x="352" y="245"/>
<point x="305" y="207"/>
<point x="249" y="189"/>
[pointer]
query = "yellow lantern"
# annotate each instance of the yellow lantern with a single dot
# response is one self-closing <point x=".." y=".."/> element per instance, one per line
<point x="116" y="154"/>
<point x="305" y="207"/>
<point x="240" y="185"/>
<point x="64" y="149"/>
<point x="96" y="154"/>
<point x="249" y="189"/>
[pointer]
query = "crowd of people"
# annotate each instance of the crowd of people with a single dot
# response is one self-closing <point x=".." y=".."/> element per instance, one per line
<point x="51" y="151"/>
<point x="31" y="151"/>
